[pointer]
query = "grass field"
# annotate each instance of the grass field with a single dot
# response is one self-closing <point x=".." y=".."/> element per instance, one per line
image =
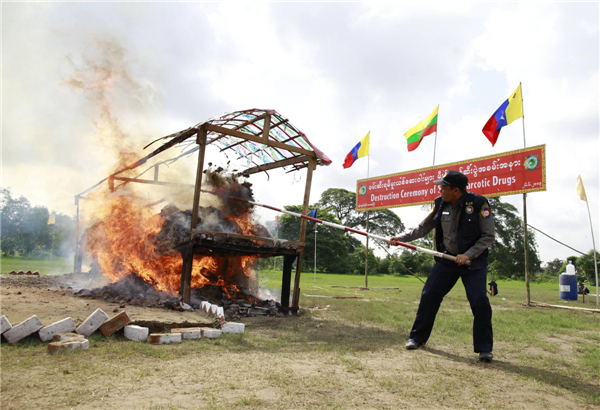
<point x="344" y="350"/>
<point x="46" y="266"/>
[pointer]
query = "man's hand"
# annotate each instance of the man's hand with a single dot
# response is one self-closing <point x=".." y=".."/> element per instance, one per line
<point x="394" y="241"/>
<point x="461" y="259"/>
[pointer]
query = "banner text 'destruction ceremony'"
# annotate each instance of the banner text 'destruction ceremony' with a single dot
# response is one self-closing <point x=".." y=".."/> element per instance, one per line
<point x="507" y="173"/>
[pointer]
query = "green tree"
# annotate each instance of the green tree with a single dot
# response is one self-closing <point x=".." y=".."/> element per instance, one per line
<point x="358" y="261"/>
<point x="36" y="235"/>
<point x="342" y="203"/>
<point x="385" y="265"/>
<point x="62" y="235"/>
<point x="25" y="229"/>
<point x="411" y="261"/>
<point x="333" y="245"/>
<point x="418" y="263"/>
<point x="553" y="268"/>
<point x="14" y="219"/>
<point x="585" y="267"/>
<point x="508" y="249"/>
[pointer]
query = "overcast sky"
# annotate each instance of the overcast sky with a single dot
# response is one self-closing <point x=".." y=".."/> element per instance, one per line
<point x="82" y="82"/>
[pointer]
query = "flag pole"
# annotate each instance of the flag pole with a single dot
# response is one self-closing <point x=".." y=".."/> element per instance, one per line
<point x="367" y="247"/>
<point x="436" y="132"/>
<point x="275" y="258"/>
<point x="315" y="267"/>
<point x="583" y="196"/>
<point x="525" y="208"/>
<point x="434" y="147"/>
<point x="595" y="262"/>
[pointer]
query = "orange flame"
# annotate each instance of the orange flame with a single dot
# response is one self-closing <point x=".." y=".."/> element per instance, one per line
<point x="123" y="243"/>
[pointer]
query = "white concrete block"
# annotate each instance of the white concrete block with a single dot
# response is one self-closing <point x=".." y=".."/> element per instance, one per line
<point x="47" y="332"/>
<point x="92" y="323"/>
<point x="23" y="329"/>
<point x="220" y="313"/>
<point x="231" y="327"/>
<point x="4" y="324"/>
<point x="61" y="347"/>
<point x="210" y="333"/>
<point x="137" y="333"/>
<point x="207" y="307"/>
<point x="62" y="337"/>
<point x="203" y="305"/>
<point x="164" y="338"/>
<point x="213" y="310"/>
<point x="188" y="332"/>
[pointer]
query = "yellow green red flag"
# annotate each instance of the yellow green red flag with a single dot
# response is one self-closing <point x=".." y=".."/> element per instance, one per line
<point x="415" y="135"/>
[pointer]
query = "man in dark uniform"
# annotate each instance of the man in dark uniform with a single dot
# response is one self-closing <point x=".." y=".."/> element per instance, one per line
<point x="464" y="229"/>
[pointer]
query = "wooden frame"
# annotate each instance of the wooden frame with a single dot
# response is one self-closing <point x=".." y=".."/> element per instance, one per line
<point x="300" y="158"/>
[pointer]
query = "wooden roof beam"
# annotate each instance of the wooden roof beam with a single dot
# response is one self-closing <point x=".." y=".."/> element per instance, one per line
<point x="152" y="182"/>
<point x="278" y="164"/>
<point x="259" y="140"/>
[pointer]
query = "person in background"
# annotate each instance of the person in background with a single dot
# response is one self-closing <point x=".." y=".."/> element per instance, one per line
<point x="464" y="229"/>
<point x="581" y="288"/>
<point x="493" y="288"/>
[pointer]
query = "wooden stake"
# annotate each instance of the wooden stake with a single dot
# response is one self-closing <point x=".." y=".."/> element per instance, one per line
<point x="187" y="272"/>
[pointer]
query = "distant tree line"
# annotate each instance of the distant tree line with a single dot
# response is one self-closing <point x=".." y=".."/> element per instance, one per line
<point x="26" y="231"/>
<point x="584" y="267"/>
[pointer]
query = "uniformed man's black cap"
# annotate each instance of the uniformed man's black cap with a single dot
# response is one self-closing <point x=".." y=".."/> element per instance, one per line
<point x="453" y="178"/>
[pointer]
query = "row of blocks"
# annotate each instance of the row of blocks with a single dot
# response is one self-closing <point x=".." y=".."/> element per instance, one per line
<point x="99" y="320"/>
<point x="213" y="310"/>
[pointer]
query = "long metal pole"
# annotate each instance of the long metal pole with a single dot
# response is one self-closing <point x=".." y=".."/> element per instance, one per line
<point x="367" y="246"/>
<point x="345" y="228"/>
<point x="275" y="258"/>
<point x="595" y="262"/>
<point x="76" y="267"/>
<point x="525" y="209"/>
<point x="367" y="256"/>
<point x="315" y="267"/>
<point x="436" y="133"/>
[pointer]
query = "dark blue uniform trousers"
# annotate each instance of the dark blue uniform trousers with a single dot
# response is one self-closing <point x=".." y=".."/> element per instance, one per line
<point x="442" y="278"/>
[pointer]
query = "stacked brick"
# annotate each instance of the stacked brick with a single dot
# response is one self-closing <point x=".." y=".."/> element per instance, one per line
<point x="213" y="310"/>
<point x="64" y="335"/>
<point x="25" y="273"/>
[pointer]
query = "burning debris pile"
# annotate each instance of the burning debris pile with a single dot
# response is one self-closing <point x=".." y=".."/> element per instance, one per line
<point x="140" y="252"/>
<point x="175" y="230"/>
<point x="132" y="290"/>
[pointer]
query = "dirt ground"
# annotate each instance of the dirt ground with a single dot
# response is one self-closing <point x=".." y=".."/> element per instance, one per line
<point x="268" y="367"/>
<point x="51" y="299"/>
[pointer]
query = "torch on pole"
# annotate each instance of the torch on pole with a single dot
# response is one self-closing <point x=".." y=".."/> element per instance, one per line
<point x="345" y="228"/>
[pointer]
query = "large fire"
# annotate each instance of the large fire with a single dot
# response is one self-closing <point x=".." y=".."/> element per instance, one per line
<point x="124" y="242"/>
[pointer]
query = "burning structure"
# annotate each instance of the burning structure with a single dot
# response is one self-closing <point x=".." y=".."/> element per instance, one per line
<point x="205" y="246"/>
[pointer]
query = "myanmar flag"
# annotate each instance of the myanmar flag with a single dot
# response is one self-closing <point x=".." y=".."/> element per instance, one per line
<point x="415" y="135"/>
<point x="360" y="150"/>
<point x="509" y="111"/>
